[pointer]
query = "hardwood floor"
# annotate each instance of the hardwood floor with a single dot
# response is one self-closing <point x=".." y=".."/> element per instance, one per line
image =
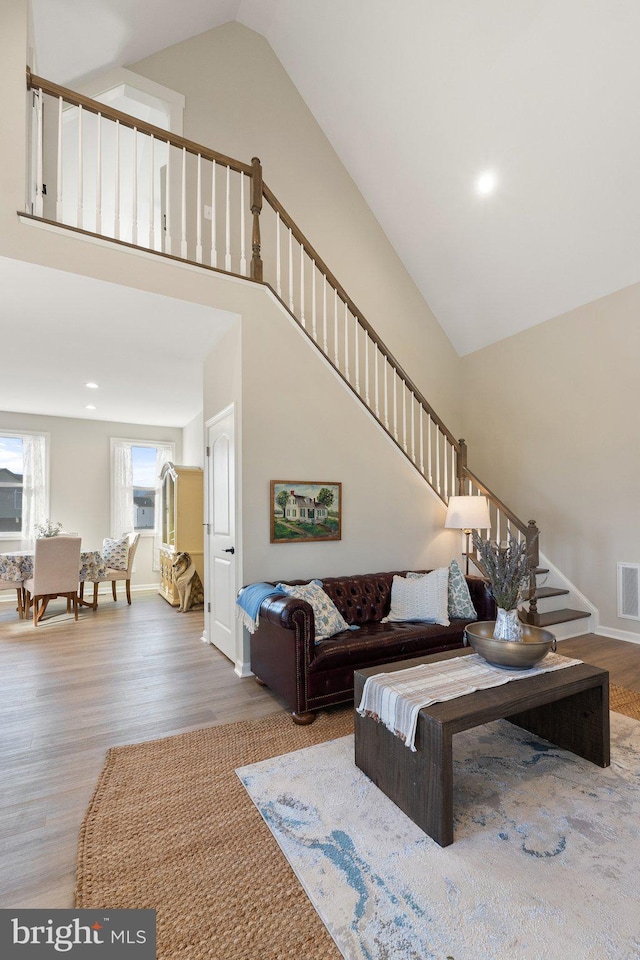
<point x="122" y="674"/>
<point x="69" y="691"/>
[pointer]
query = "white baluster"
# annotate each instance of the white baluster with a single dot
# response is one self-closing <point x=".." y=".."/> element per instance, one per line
<point x="278" y="264"/>
<point x="98" y="174"/>
<point x="498" y="531"/>
<point x="429" y="433"/>
<point x="302" y="316"/>
<point x="167" y="215"/>
<point x="346" y="341"/>
<point x="438" y="484"/>
<point x="395" y="404"/>
<point x="152" y="187"/>
<point x="421" y="429"/>
<point x="386" y="392"/>
<point x="59" y="213"/>
<point x="290" y="270"/>
<point x="453" y="470"/>
<point x="403" y="395"/>
<point x="214" y="247"/>
<point x="335" y="329"/>
<point x="183" y="243"/>
<point x="199" y="212"/>
<point x="79" y="212"/>
<point x="366" y="369"/>
<point x="39" y="207"/>
<point x="413" y="426"/>
<point x="324" y="315"/>
<point x="314" y="329"/>
<point x="445" y="471"/>
<point x="134" y="188"/>
<point x="356" y="359"/>
<point x="243" y="252"/>
<point x="227" y="255"/>
<point x="376" y="384"/>
<point x="116" y="187"/>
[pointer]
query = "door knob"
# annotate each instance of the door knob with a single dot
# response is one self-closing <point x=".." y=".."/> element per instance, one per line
<point x="229" y="550"/>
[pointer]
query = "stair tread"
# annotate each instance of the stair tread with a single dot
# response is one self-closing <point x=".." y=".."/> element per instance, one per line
<point x="560" y="616"/>
<point x="540" y="592"/>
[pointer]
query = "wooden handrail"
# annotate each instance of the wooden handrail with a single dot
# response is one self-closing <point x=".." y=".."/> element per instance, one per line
<point x="94" y="106"/>
<point x="260" y="190"/>
<point x="519" y="524"/>
<point x="334" y="283"/>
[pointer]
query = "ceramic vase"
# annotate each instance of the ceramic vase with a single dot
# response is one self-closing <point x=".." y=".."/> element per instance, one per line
<point x="508" y="625"/>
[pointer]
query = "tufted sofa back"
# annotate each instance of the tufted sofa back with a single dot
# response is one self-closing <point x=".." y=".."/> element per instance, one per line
<point x="366" y="597"/>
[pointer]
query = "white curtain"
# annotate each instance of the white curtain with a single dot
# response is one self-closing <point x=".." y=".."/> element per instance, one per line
<point x="35" y="500"/>
<point x="122" y="515"/>
<point x="164" y="453"/>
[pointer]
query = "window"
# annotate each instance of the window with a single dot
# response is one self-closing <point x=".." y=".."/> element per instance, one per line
<point x="135" y="484"/>
<point x="24" y="494"/>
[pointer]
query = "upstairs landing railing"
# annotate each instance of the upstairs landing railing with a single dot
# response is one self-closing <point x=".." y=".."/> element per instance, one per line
<point x="108" y="174"/>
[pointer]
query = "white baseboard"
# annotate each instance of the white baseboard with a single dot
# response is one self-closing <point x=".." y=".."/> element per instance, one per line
<point x="617" y="634"/>
<point x="242" y="669"/>
<point x="7" y="596"/>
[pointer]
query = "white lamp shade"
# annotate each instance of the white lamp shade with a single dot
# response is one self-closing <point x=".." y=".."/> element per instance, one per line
<point x="468" y="513"/>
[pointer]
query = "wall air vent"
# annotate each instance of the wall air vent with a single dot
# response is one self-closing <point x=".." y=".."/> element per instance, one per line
<point x="629" y="591"/>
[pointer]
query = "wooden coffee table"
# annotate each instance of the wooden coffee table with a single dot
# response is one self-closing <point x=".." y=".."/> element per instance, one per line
<point x="569" y="707"/>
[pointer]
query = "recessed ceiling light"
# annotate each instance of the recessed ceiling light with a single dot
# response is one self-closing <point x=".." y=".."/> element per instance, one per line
<point x="91" y="385"/>
<point x="89" y="406"/>
<point x="486" y="183"/>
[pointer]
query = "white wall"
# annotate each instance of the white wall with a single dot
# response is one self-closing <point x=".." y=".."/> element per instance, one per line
<point x="79" y="458"/>
<point x="553" y="428"/>
<point x="193" y="442"/>
<point x="240" y="101"/>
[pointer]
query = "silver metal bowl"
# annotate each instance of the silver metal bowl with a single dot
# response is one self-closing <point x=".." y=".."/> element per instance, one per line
<point x="510" y="654"/>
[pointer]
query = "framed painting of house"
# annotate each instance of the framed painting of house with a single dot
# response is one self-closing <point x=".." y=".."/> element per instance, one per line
<point x="303" y="511"/>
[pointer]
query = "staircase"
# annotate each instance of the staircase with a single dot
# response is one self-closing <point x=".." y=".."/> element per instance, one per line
<point x="144" y="187"/>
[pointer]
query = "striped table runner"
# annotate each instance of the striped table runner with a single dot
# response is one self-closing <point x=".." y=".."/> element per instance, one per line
<point x="395" y="699"/>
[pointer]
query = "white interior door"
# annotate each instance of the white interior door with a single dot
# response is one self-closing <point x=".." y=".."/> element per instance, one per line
<point x="220" y="535"/>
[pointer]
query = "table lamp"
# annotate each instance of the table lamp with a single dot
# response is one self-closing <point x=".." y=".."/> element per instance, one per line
<point x="467" y="514"/>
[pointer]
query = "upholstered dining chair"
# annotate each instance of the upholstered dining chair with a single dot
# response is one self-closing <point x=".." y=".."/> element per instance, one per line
<point x="114" y="575"/>
<point x="17" y="586"/>
<point x="56" y="565"/>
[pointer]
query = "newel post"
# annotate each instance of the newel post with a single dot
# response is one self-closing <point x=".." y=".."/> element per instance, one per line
<point x="533" y="558"/>
<point x="256" y="207"/>
<point x="461" y="466"/>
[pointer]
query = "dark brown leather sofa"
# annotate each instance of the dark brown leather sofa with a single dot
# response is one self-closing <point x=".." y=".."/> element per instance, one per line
<point x="309" y="676"/>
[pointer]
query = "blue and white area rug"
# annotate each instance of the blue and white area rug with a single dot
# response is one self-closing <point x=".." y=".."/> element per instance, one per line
<point x="545" y="863"/>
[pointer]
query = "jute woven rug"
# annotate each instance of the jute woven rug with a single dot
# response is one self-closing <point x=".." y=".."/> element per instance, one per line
<point x="171" y="827"/>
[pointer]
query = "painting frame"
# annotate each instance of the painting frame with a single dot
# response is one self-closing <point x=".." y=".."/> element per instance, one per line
<point x="301" y="510"/>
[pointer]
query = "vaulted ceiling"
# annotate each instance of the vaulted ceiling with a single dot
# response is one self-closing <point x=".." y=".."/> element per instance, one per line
<point x="420" y="98"/>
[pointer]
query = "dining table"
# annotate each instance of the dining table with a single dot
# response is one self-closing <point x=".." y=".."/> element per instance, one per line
<point x="16" y="566"/>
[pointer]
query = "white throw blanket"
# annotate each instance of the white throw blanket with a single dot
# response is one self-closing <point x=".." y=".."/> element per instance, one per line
<point x="396" y="699"/>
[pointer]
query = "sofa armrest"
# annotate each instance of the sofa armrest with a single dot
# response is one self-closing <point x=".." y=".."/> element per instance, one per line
<point x="288" y="613"/>
<point x="482" y="598"/>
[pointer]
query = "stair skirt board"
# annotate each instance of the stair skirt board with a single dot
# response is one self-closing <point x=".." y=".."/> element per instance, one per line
<point x="561" y="607"/>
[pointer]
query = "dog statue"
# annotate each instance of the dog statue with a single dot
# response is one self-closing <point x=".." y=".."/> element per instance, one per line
<point x="188" y="583"/>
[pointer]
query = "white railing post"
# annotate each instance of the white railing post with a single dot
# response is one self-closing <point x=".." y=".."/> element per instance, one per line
<point x="134" y="188"/>
<point x="278" y="263"/>
<point x="346" y="341"/>
<point x="116" y="186"/>
<point x="80" y="187"/>
<point x="214" y="248"/>
<point x="152" y="220"/>
<point x="167" y="215"/>
<point x="39" y="206"/>
<point x="324" y="315"/>
<point x="199" y="211"/>
<point x="183" y="204"/>
<point x="227" y="255"/>
<point x="314" y="328"/>
<point x="302" y="316"/>
<point x="59" y="199"/>
<point x="243" y="252"/>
